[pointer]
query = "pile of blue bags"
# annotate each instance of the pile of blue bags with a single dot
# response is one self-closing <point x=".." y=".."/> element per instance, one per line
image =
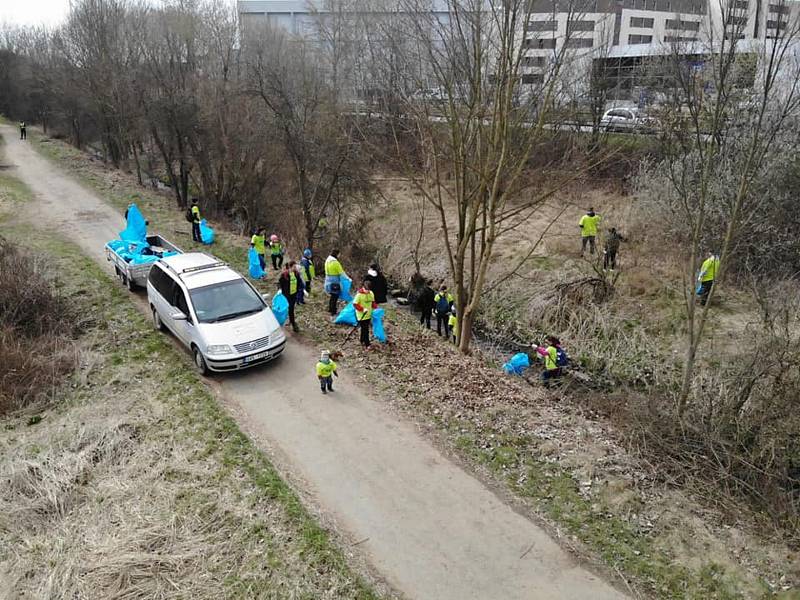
<point x="517" y="364"/>
<point x="132" y="244"/>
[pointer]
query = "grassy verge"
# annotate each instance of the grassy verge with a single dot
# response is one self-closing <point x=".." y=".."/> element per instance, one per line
<point x="136" y="482"/>
<point x="535" y="445"/>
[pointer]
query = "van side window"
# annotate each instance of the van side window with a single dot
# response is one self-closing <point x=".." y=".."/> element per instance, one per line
<point x="179" y="301"/>
<point x="161" y="281"/>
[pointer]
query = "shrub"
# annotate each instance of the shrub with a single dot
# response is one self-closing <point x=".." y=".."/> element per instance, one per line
<point x="37" y="325"/>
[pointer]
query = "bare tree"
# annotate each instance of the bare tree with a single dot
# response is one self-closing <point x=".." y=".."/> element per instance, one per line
<point x="472" y="129"/>
<point x="724" y="130"/>
<point x="317" y="137"/>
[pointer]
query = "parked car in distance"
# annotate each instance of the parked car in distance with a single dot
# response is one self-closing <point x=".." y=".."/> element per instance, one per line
<point x="215" y="312"/>
<point x="627" y="120"/>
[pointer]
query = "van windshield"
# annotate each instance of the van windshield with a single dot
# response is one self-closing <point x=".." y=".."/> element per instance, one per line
<point x="225" y="301"/>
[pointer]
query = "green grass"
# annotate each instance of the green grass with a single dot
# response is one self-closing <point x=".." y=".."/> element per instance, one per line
<point x="193" y="419"/>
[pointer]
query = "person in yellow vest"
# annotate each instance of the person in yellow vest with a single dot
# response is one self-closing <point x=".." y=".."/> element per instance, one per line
<point x="276" y="251"/>
<point x="443" y="304"/>
<point x="23" y="131"/>
<point x="196" y="222"/>
<point x="258" y="241"/>
<point x="452" y="324"/>
<point x="549" y="354"/>
<point x="364" y="303"/>
<point x="708" y="273"/>
<point x="333" y="280"/>
<point x="290" y="285"/>
<point x="307" y="263"/>
<point x="326" y="369"/>
<point x="588" y="225"/>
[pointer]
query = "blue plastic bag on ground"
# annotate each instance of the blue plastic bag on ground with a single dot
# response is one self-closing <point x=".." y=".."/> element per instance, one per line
<point x="517" y="364"/>
<point x="136" y="230"/>
<point x="206" y="233"/>
<point x="256" y="272"/>
<point x="280" y="308"/>
<point x="347" y="316"/>
<point x="377" y="325"/>
<point x="346" y="284"/>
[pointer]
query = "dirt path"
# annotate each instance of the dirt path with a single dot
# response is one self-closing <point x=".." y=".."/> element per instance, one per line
<point x="429" y="528"/>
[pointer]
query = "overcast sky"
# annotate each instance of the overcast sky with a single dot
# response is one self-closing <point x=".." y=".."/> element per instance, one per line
<point x="33" y="12"/>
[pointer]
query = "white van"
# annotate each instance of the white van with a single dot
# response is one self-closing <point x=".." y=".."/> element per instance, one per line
<point x="214" y="311"/>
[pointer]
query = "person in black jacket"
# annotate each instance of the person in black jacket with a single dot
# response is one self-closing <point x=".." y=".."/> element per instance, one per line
<point x="425" y="304"/>
<point x="378" y="283"/>
<point x="290" y="283"/>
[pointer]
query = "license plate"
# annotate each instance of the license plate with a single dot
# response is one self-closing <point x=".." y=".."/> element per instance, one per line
<point x="258" y="356"/>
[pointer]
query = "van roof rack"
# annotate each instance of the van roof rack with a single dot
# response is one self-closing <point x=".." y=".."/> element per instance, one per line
<point x="204" y="267"/>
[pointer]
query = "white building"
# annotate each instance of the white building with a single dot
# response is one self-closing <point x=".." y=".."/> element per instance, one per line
<point x="590" y="30"/>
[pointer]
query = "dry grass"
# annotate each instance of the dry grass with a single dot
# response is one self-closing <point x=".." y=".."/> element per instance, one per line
<point x="137" y="484"/>
<point x="37" y="327"/>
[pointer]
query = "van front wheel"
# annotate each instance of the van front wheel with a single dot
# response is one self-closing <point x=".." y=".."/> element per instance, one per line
<point x="159" y="326"/>
<point x="200" y="362"/>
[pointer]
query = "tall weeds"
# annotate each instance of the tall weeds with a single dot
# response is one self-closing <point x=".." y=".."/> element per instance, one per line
<point x="37" y="325"/>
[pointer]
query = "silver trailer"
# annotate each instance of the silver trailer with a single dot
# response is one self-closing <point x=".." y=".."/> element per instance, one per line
<point x="135" y="275"/>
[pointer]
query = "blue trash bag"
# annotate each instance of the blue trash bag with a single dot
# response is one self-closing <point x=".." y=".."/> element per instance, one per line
<point x="347" y="316"/>
<point x="346" y="284"/>
<point x="280" y="308"/>
<point x="699" y="288"/>
<point x="256" y="272"/>
<point x="517" y="364"/>
<point x="377" y="325"/>
<point x="136" y="230"/>
<point x="117" y="246"/>
<point x="206" y="233"/>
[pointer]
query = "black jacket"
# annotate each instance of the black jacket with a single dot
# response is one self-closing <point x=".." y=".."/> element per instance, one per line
<point x="378" y="285"/>
<point x="425" y="300"/>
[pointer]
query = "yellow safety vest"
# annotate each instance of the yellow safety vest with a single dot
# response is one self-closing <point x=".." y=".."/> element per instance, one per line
<point x="276" y="248"/>
<point x="325" y="369"/>
<point x="550" y="358"/>
<point x="196" y="213"/>
<point x="333" y="267"/>
<point x="258" y="244"/>
<point x="589" y="225"/>
<point x="365" y="300"/>
<point x="708" y="272"/>
<point x="292" y="283"/>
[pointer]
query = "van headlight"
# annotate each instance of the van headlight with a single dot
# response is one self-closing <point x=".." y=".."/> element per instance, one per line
<point x="219" y="349"/>
<point x="278" y="335"/>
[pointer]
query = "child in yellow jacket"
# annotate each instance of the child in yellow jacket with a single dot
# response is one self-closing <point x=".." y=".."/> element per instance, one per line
<point x="326" y="369"/>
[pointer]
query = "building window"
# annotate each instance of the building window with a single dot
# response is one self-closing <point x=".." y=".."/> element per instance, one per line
<point x="642" y="22"/>
<point x="678" y="38"/>
<point x="737" y="20"/>
<point x="739" y="4"/>
<point x="542" y="25"/>
<point x="580" y="26"/>
<point x="579" y="43"/>
<point x="531" y="78"/>
<point x="541" y="43"/>
<point x="776" y="24"/>
<point x="779" y="8"/>
<point x="639" y="39"/>
<point x="683" y="25"/>
<point x="534" y="61"/>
